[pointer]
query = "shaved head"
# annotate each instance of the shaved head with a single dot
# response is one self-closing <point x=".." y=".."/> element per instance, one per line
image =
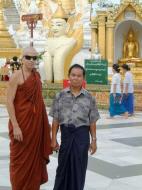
<point x="29" y="58"/>
<point x="30" y="51"/>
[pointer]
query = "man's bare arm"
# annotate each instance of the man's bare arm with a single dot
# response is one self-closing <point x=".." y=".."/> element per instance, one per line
<point x="93" y="145"/>
<point x="11" y="92"/>
<point x="55" y="127"/>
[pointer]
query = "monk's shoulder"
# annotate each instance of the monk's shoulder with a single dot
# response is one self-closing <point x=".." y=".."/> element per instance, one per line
<point x="15" y="77"/>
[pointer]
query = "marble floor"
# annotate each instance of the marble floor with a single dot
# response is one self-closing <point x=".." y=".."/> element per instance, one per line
<point x="117" y="165"/>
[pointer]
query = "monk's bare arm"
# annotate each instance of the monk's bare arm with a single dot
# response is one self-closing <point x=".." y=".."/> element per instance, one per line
<point x="55" y="127"/>
<point x="11" y="92"/>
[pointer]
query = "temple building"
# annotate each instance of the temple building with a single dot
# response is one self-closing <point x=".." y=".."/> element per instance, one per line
<point x="117" y="27"/>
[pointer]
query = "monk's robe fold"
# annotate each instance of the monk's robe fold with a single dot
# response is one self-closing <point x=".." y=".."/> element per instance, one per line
<point x="73" y="158"/>
<point x="28" y="158"/>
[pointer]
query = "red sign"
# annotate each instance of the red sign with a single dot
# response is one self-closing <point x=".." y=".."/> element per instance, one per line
<point x="31" y="17"/>
<point x="66" y="83"/>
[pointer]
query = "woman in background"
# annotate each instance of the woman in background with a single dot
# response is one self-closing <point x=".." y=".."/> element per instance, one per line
<point x="116" y="107"/>
<point x="128" y="90"/>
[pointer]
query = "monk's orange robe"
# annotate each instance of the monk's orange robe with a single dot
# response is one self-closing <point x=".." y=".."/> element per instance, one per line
<point x="28" y="158"/>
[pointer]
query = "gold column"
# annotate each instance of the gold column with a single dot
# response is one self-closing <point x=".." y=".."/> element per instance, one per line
<point x="68" y="5"/>
<point x="102" y="34"/>
<point x="110" y="41"/>
<point x="94" y="36"/>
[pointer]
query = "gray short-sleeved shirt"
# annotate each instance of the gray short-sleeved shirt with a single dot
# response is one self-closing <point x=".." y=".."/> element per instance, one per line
<point x="79" y="110"/>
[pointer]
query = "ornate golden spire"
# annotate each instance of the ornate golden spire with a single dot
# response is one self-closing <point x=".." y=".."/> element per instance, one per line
<point x="68" y="5"/>
<point x="60" y="12"/>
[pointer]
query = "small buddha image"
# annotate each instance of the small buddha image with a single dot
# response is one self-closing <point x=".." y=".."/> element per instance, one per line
<point x="131" y="46"/>
<point x="131" y="49"/>
<point x="96" y="53"/>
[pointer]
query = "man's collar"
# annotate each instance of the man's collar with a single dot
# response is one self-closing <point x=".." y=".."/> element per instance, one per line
<point x="82" y="91"/>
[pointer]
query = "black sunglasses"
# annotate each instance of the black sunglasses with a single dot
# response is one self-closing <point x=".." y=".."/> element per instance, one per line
<point x="28" y="57"/>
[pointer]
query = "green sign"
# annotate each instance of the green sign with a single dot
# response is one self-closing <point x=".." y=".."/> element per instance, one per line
<point x="96" y="71"/>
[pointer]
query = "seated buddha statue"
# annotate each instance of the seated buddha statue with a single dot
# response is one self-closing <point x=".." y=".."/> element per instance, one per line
<point x="58" y="46"/>
<point x="130" y="49"/>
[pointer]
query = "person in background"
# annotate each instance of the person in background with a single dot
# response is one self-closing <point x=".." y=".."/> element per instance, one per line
<point x="15" y="65"/>
<point x="128" y="90"/>
<point x="75" y="111"/>
<point x="116" y="107"/>
<point x="5" y="70"/>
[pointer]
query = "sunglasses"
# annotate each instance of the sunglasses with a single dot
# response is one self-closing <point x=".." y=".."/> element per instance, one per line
<point x="28" y="57"/>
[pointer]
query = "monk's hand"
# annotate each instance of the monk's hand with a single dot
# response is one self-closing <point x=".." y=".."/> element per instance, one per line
<point x="93" y="147"/>
<point x="55" y="146"/>
<point x="17" y="133"/>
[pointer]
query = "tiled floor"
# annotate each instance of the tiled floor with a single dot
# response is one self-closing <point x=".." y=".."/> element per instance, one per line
<point x="117" y="165"/>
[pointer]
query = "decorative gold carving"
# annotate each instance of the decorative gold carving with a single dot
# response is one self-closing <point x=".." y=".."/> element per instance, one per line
<point x="114" y="13"/>
<point x="60" y="13"/>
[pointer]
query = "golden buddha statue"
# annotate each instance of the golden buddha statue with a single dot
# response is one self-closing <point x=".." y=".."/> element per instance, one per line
<point x="131" y="46"/>
<point x="130" y="49"/>
<point x="131" y="55"/>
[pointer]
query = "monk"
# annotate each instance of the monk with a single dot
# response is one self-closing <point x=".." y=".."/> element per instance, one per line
<point x="29" y="129"/>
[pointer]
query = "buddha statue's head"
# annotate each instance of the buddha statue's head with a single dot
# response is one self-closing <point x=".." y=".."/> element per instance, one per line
<point x="131" y="36"/>
<point x="59" y="21"/>
<point x="58" y="27"/>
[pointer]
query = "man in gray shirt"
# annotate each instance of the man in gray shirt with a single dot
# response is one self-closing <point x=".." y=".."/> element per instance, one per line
<point x="75" y="111"/>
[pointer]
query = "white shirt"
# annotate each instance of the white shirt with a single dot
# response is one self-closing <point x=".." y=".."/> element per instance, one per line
<point x="116" y="79"/>
<point x="128" y="79"/>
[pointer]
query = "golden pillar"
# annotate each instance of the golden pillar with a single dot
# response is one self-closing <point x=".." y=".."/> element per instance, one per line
<point x="110" y="41"/>
<point x="68" y="5"/>
<point x="5" y="39"/>
<point x="101" y="33"/>
<point x="94" y="36"/>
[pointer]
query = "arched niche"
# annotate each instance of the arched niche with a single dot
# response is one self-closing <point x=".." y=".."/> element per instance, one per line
<point x="121" y="31"/>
